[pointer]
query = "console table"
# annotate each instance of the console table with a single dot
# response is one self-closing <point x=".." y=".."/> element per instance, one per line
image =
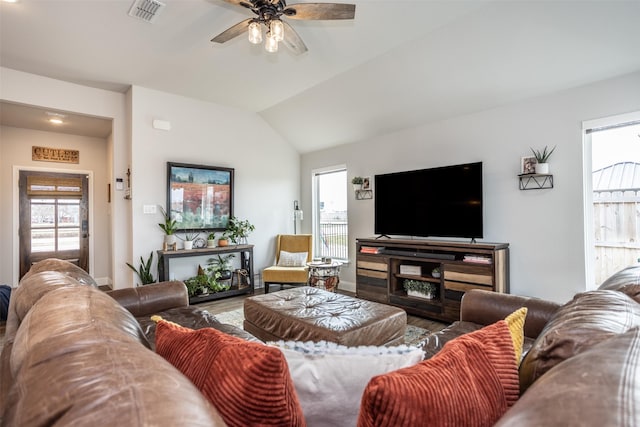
<point x="246" y="262"/>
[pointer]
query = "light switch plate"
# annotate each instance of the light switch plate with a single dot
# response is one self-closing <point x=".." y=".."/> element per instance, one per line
<point x="149" y="209"/>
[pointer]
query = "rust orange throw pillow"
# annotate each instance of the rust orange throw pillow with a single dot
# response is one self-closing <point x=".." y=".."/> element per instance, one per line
<point x="472" y="381"/>
<point x="249" y="383"/>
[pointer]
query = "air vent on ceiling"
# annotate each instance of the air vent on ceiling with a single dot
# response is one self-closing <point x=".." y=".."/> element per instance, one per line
<point x="147" y="10"/>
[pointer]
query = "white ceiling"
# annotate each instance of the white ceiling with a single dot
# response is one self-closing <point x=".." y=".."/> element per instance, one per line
<point x="398" y="64"/>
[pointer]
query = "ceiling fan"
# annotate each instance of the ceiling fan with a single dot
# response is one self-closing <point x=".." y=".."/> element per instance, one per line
<point x="269" y="13"/>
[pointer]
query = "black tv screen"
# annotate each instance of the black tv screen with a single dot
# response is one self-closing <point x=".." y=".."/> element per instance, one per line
<point x="437" y="202"/>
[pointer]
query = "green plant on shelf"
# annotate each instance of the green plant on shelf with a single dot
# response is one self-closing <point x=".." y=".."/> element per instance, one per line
<point x="542" y="156"/>
<point x="419" y="286"/>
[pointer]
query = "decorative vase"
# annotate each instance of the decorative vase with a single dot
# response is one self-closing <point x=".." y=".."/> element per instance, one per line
<point x="223" y="242"/>
<point x="188" y="245"/>
<point x="542" y="168"/>
<point x="242" y="240"/>
<point x="169" y="239"/>
<point x="211" y="243"/>
<point x="357" y="187"/>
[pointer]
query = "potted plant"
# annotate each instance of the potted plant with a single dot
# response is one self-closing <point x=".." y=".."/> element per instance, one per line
<point x="211" y="240"/>
<point x="221" y="264"/>
<point x="238" y="230"/>
<point x="189" y="237"/>
<point x="357" y="182"/>
<point x="144" y="271"/>
<point x="223" y="240"/>
<point x="435" y="272"/>
<point x="419" y="289"/>
<point x="169" y="226"/>
<point x="542" y="158"/>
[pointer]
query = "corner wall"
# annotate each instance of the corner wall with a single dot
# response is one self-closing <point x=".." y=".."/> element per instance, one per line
<point x="266" y="167"/>
<point x="545" y="228"/>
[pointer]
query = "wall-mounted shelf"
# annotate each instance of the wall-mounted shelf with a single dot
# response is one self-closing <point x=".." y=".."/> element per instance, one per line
<point x="364" y="194"/>
<point x="535" y="181"/>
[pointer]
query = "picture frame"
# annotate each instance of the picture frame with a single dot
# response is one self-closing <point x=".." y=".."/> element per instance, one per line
<point x="366" y="183"/>
<point x="199" y="197"/>
<point x="527" y="165"/>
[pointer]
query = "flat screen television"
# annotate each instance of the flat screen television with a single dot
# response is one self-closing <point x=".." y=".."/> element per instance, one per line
<point x="437" y="202"/>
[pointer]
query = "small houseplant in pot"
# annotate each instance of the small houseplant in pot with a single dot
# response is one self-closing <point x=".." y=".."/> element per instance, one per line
<point x="169" y="226"/>
<point x="144" y="271"/>
<point x="189" y="237"/>
<point x="357" y="182"/>
<point x="542" y="159"/>
<point x="419" y="289"/>
<point x="211" y="240"/>
<point x="238" y="230"/>
<point x="222" y="265"/>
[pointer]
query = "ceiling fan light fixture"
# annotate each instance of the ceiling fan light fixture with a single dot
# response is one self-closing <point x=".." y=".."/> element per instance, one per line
<point x="276" y="28"/>
<point x="271" y="43"/>
<point x="255" y="33"/>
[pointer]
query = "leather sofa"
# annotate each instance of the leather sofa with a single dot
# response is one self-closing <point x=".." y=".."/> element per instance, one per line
<point x="76" y="355"/>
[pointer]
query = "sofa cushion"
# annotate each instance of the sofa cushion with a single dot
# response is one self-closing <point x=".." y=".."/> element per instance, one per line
<point x="82" y="364"/>
<point x="472" y="381"/>
<point x="626" y="281"/>
<point x="193" y="318"/>
<point x="74" y="315"/>
<point x="598" y="387"/>
<point x="330" y="378"/>
<point x="589" y="318"/>
<point x="248" y="382"/>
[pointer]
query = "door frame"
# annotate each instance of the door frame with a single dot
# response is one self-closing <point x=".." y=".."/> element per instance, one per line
<point x="15" y="217"/>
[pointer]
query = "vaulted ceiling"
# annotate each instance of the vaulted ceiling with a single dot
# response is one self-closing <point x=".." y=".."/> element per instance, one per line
<point x="398" y="64"/>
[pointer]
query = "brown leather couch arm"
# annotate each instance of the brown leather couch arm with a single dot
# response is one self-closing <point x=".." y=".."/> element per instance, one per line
<point x="150" y="299"/>
<point x="485" y="308"/>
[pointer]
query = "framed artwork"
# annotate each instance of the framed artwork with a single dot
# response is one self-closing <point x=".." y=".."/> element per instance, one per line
<point x="199" y="197"/>
<point x="366" y="183"/>
<point x="527" y="165"/>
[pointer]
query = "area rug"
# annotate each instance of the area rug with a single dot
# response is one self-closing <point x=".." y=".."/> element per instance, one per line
<point x="412" y="334"/>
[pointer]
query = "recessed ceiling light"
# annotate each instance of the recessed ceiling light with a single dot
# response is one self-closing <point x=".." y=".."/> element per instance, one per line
<point x="55" y="118"/>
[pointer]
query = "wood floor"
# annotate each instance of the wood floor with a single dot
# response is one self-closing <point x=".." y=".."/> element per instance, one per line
<point x="234" y="303"/>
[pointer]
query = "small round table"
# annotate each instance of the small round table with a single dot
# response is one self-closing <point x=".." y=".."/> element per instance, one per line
<point x="324" y="275"/>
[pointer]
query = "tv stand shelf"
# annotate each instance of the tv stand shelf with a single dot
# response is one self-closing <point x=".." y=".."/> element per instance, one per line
<point x="378" y="275"/>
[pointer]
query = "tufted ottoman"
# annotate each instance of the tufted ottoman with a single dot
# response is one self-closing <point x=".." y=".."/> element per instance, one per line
<point x="312" y="314"/>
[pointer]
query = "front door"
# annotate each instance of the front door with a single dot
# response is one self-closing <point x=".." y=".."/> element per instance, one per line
<point x="53" y="218"/>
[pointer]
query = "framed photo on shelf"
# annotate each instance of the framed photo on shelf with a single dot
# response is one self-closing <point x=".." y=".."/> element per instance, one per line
<point x="527" y="165"/>
<point x="366" y="183"/>
<point x="199" y="197"/>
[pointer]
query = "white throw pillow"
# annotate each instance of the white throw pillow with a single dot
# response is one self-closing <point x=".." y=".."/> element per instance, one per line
<point x="330" y="378"/>
<point x="292" y="259"/>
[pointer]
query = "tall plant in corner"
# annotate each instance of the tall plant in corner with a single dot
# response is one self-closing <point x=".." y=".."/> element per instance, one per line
<point x="144" y="271"/>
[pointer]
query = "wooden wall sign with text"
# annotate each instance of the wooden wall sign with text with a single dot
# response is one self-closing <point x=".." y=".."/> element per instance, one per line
<point x="45" y="154"/>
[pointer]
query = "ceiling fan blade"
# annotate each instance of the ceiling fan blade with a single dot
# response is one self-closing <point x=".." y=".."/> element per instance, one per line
<point x="293" y="41"/>
<point x="320" y="11"/>
<point x="235" y="31"/>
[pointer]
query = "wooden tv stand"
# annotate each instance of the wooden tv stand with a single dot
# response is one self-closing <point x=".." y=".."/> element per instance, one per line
<point x="379" y="277"/>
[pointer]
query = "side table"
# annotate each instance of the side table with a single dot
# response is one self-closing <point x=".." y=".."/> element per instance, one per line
<point x="324" y="275"/>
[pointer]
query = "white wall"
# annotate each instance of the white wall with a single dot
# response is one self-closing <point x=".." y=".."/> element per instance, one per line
<point x="543" y="227"/>
<point x="15" y="145"/>
<point x="266" y="168"/>
<point x="30" y="89"/>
